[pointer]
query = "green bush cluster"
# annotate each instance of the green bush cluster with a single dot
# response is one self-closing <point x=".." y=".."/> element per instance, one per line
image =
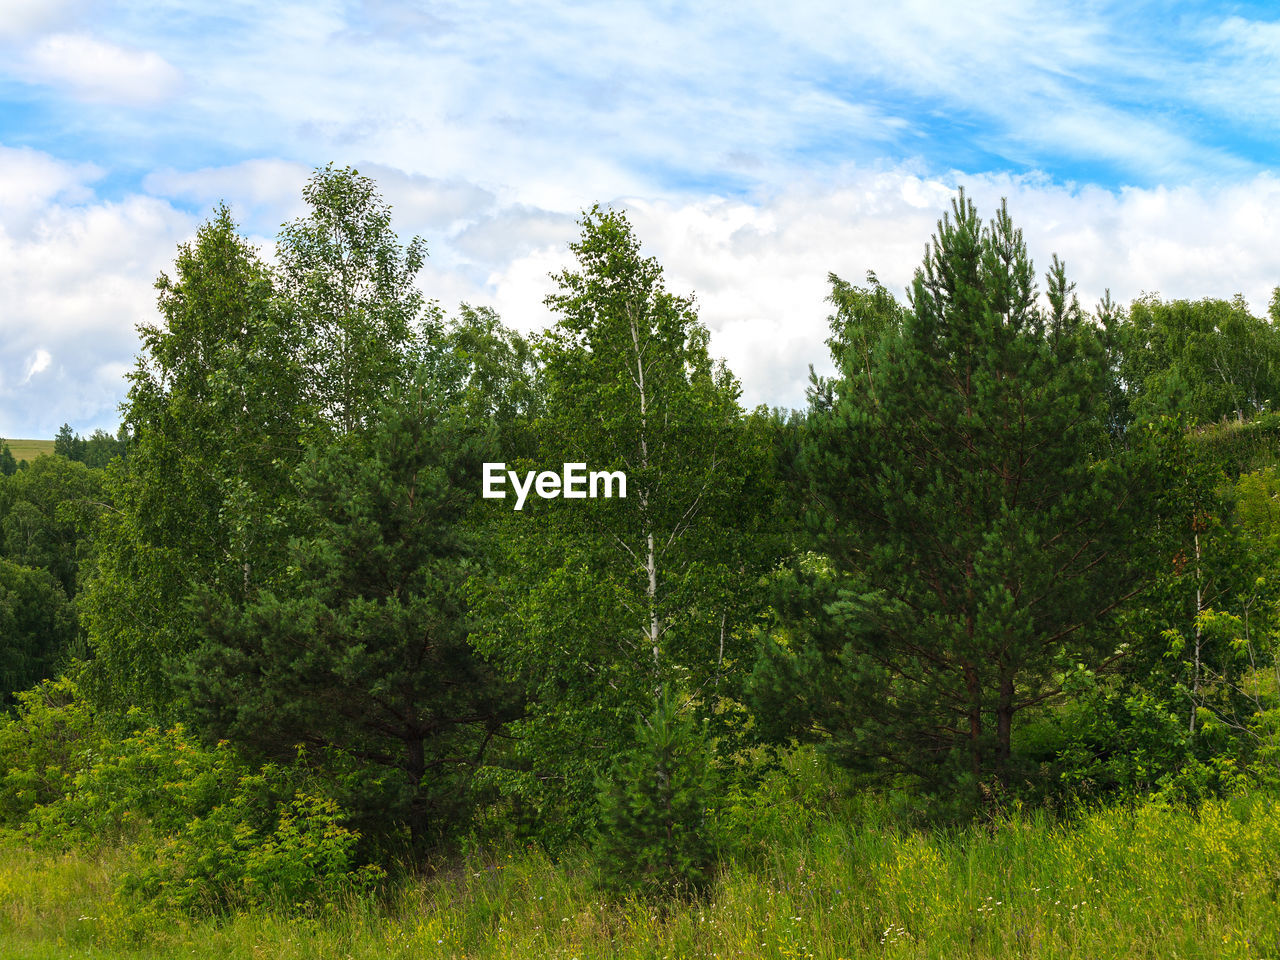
<point x="49" y="739"/>
<point x="208" y="830"/>
<point x="287" y="854"/>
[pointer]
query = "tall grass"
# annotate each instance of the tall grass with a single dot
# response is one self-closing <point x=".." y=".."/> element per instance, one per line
<point x="1148" y="880"/>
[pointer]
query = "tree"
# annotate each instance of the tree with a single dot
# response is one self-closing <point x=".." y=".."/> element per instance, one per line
<point x="361" y="647"/>
<point x="1207" y="359"/>
<point x="37" y="627"/>
<point x="8" y="465"/>
<point x="249" y="368"/>
<point x="216" y="417"/>
<point x="976" y="522"/>
<point x="350" y="288"/>
<point x="47" y="516"/>
<point x="598" y="606"/>
<point x="101" y="448"/>
<point x="491" y="372"/>
<point x="654" y="835"/>
<point x="66" y="444"/>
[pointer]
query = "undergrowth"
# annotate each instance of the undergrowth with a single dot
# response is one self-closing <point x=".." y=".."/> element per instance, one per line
<point x="1144" y="880"/>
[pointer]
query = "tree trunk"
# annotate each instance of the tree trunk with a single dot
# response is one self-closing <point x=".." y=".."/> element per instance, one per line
<point x="1004" y="726"/>
<point x="416" y="767"/>
<point x="974" y="689"/>
<point x="651" y="556"/>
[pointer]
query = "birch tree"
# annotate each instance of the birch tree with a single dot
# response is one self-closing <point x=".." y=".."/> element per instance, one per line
<point x="607" y="603"/>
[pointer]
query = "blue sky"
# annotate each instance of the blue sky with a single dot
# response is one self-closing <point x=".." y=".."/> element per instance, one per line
<point x="756" y="146"/>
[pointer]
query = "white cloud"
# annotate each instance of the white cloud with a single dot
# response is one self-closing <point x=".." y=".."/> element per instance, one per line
<point x="80" y="273"/>
<point x="264" y="191"/>
<point x="38" y="362"/>
<point x="75" y="278"/>
<point x="30" y="180"/>
<point x="22" y="17"/>
<point x="434" y="205"/>
<point x="95" y="70"/>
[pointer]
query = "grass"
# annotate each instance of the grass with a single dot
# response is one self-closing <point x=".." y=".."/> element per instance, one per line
<point x="29" y="449"/>
<point x="1147" y="881"/>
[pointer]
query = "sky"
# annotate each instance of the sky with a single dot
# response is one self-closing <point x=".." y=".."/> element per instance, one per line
<point x="756" y="147"/>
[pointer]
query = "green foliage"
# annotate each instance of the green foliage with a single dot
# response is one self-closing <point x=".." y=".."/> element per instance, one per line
<point x="250" y="369"/>
<point x="47" y="513"/>
<point x="348" y="287"/>
<point x="37" y="627"/>
<point x="655" y="834"/>
<point x="362" y="644"/>
<point x="593" y="606"/>
<point x="1239" y="448"/>
<point x="98" y="450"/>
<point x="101" y="448"/>
<point x="1109" y="741"/>
<point x="68" y="445"/>
<point x="980" y="524"/>
<point x="206" y="831"/>
<point x="1202" y="627"/>
<point x="215" y="416"/>
<point x="770" y="798"/>
<point x="296" y="853"/>
<point x="8" y="465"/>
<point x="152" y="777"/>
<point x="490" y="373"/>
<point x="45" y="742"/>
<point x="1205" y="359"/>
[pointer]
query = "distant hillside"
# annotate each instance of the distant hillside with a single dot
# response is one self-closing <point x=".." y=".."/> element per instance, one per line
<point x="29" y="449"/>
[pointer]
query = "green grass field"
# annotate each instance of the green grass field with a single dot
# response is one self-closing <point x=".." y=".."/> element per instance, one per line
<point x="1142" y="881"/>
<point x="29" y="449"/>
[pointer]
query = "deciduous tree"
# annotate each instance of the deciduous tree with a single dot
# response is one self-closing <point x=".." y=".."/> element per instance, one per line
<point x="599" y="605"/>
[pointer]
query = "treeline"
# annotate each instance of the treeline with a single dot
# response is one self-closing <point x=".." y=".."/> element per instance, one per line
<point x="1011" y="551"/>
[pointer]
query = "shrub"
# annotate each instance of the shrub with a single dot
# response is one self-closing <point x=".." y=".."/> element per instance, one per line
<point x="50" y="737"/>
<point x="294" y="853"/>
<point x="208" y="831"/>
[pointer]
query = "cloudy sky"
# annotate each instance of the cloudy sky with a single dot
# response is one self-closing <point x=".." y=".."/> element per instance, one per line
<point x="756" y="146"/>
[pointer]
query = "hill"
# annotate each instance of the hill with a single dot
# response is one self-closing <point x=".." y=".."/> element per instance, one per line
<point x="29" y="449"/>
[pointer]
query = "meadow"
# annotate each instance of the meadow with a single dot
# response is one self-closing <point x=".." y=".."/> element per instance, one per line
<point x="1145" y="880"/>
<point x="29" y="449"/>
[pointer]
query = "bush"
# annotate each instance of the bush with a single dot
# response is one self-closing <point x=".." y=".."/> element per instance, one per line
<point x="654" y="835"/>
<point x="208" y="832"/>
<point x="152" y="779"/>
<point x="50" y="738"/>
<point x="292" y="854"/>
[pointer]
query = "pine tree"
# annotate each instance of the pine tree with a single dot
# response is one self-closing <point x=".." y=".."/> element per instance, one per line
<point x="654" y="835"/>
<point x="64" y="444"/>
<point x="976" y="522"/>
<point x="361" y="646"/>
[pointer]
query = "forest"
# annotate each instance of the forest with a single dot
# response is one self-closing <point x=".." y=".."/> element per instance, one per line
<point x="976" y="655"/>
